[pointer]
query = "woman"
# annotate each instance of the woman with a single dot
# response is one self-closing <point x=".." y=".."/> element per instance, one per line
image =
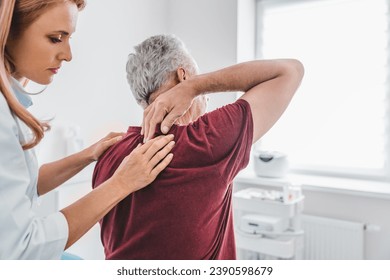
<point x="34" y="41"/>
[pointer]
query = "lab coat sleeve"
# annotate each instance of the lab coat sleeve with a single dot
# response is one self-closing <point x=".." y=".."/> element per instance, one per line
<point x="23" y="235"/>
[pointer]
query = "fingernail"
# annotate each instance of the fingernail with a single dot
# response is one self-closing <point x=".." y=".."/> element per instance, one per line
<point x="165" y="129"/>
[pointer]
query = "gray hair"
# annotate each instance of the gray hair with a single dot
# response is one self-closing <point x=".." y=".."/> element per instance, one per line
<point x="153" y="62"/>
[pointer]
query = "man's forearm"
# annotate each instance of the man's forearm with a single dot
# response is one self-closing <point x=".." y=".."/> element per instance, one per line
<point x="239" y="77"/>
<point x="269" y="86"/>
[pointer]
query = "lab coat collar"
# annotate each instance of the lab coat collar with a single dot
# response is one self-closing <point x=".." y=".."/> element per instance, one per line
<point x="20" y="93"/>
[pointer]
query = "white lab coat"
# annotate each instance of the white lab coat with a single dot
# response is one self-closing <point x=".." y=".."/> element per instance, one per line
<point x="23" y="235"/>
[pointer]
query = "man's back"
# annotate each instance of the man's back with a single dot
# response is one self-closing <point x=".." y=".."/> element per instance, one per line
<point x="186" y="212"/>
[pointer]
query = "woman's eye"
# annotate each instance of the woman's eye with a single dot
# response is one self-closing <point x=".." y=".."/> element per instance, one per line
<point x="55" y="40"/>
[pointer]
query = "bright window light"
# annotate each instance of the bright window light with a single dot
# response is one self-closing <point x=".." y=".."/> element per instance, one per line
<point x="337" y="121"/>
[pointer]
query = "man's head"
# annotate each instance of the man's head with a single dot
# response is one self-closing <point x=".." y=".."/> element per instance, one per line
<point x="158" y="64"/>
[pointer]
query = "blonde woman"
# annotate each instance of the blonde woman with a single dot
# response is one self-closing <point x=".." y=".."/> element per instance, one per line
<point x="34" y="42"/>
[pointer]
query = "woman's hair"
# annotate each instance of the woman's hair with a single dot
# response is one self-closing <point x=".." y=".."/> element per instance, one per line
<point x="153" y="63"/>
<point x="15" y="17"/>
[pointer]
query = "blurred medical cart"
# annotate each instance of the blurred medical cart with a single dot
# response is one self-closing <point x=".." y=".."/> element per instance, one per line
<point x="267" y="222"/>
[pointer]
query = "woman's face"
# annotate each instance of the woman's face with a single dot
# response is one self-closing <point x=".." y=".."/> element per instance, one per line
<point x="39" y="51"/>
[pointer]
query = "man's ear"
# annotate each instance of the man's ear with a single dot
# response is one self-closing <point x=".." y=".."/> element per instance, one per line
<point x="181" y="74"/>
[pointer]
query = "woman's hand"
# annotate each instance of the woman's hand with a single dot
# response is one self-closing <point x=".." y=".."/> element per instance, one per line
<point x="144" y="163"/>
<point x="97" y="149"/>
<point x="137" y="170"/>
<point x="167" y="108"/>
<point x="67" y="167"/>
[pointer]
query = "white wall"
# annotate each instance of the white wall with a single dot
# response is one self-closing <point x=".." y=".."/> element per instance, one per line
<point x="209" y="30"/>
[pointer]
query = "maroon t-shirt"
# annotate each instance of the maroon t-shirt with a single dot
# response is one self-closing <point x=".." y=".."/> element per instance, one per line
<point x="186" y="213"/>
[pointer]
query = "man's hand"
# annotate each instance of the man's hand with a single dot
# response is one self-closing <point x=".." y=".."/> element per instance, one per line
<point x="167" y="108"/>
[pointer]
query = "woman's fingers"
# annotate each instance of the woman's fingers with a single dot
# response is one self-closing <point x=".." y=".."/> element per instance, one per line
<point x="144" y="163"/>
<point x="161" y="166"/>
<point x="161" y="154"/>
<point x="114" y="134"/>
<point x="113" y="140"/>
<point x="97" y="149"/>
<point x="153" y="146"/>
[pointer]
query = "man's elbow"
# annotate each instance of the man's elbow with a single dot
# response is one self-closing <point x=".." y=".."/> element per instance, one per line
<point x="296" y="68"/>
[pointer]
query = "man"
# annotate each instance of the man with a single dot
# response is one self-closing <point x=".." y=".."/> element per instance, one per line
<point x="186" y="212"/>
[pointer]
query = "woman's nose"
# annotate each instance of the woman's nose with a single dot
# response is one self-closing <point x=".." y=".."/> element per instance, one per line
<point x="66" y="53"/>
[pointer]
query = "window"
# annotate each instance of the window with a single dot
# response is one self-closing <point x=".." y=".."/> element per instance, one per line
<point x="337" y="124"/>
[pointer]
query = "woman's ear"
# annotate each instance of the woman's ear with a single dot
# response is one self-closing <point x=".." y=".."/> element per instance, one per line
<point x="181" y="74"/>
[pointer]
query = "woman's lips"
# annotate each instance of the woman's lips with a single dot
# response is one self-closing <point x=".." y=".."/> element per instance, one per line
<point x="54" y="70"/>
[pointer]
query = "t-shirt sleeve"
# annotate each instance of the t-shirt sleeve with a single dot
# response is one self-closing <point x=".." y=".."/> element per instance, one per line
<point x="229" y="136"/>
